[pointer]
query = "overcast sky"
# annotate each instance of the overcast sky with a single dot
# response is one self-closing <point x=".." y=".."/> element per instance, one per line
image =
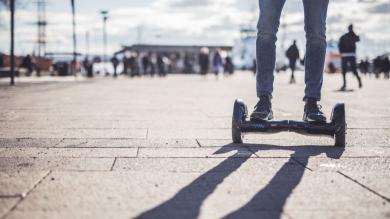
<point x="186" y="22"/>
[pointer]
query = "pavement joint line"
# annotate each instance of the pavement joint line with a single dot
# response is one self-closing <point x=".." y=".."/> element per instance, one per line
<point x="113" y="164"/>
<point x="73" y="157"/>
<point x="253" y="152"/>
<point x="23" y="196"/>
<point x="364" y="186"/>
<point x="62" y="140"/>
<point x="198" y="143"/>
<point x="104" y="147"/>
<point x="365" y="128"/>
<point x="31" y="138"/>
<point x="304" y="166"/>
<point x="81" y="171"/>
<point x="11" y="196"/>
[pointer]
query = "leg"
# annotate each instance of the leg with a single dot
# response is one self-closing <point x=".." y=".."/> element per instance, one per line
<point x="315" y="28"/>
<point x="344" y="69"/>
<point x="354" y="70"/>
<point x="292" y="66"/>
<point x="268" y="25"/>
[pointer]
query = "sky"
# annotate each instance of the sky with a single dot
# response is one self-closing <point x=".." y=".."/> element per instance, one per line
<point x="194" y="22"/>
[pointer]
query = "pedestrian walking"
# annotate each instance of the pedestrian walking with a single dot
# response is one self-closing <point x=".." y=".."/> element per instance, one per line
<point x="217" y="62"/>
<point x="125" y="62"/>
<point x="28" y="64"/>
<point x="386" y="67"/>
<point x="145" y="64"/>
<point x="115" y="63"/>
<point x="292" y="54"/>
<point x="228" y="66"/>
<point x="315" y="28"/>
<point x="161" y="65"/>
<point x="88" y="67"/>
<point x="133" y="65"/>
<point x="1" y="60"/>
<point x="347" y="48"/>
<point x="204" y="62"/>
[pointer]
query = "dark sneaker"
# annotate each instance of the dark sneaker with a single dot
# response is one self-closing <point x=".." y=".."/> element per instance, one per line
<point x="263" y="110"/>
<point x="312" y="112"/>
<point x="360" y="83"/>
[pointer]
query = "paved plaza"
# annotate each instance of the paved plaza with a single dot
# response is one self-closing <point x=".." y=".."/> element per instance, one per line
<point x="161" y="148"/>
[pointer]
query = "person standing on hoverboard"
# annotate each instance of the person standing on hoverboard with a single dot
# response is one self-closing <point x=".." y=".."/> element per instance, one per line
<point x="347" y="48"/>
<point x="315" y="28"/>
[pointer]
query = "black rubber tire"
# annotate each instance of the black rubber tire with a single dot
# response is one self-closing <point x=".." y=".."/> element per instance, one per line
<point x="340" y="133"/>
<point x="340" y="138"/>
<point x="239" y="115"/>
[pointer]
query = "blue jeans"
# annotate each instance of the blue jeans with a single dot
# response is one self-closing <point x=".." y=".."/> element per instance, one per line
<point x="315" y="28"/>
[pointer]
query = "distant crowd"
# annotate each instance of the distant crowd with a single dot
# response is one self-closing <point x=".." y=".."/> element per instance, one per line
<point x="377" y="67"/>
<point x="136" y="64"/>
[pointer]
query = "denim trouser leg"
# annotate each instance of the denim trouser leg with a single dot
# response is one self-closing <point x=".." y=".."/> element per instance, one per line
<point x="315" y="28"/>
<point x="267" y="26"/>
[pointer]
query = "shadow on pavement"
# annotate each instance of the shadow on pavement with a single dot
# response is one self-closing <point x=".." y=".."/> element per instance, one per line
<point x="267" y="203"/>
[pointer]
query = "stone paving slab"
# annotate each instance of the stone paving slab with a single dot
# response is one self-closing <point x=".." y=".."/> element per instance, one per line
<point x="254" y="188"/>
<point x="95" y="143"/>
<point x="312" y="192"/>
<point x="190" y="133"/>
<point x="74" y="133"/>
<point x="55" y="163"/>
<point x="29" y="142"/>
<point x="377" y="181"/>
<point x="355" y="137"/>
<point x="135" y="143"/>
<point x="68" y="152"/>
<point x="129" y="190"/>
<point x="379" y="164"/>
<point x="15" y="184"/>
<point x="319" y="151"/>
<point x="191" y="165"/>
<point x="340" y="213"/>
<point x="6" y="205"/>
<point x="194" y="152"/>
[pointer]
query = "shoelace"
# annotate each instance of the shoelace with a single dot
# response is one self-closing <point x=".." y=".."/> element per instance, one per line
<point x="262" y="104"/>
<point x="318" y="108"/>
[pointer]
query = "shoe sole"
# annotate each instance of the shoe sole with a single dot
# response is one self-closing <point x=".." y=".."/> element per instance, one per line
<point x="306" y="119"/>
<point x="269" y="117"/>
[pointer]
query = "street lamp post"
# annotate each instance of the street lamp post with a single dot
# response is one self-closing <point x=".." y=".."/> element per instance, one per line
<point x="12" y="52"/>
<point x="74" y="38"/>
<point x="105" y="17"/>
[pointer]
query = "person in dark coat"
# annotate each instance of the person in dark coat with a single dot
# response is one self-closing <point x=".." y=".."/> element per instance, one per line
<point x="217" y="62"/>
<point x="145" y="64"/>
<point x="88" y="67"/>
<point x="1" y="60"/>
<point x="27" y="63"/>
<point x="228" y="66"/>
<point x="386" y="67"/>
<point x="292" y="54"/>
<point x="347" y="48"/>
<point x="115" y="63"/>
<point x="204" y="62"/>
<point x="161" y="65"/>
<point x="125" y="62"/>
